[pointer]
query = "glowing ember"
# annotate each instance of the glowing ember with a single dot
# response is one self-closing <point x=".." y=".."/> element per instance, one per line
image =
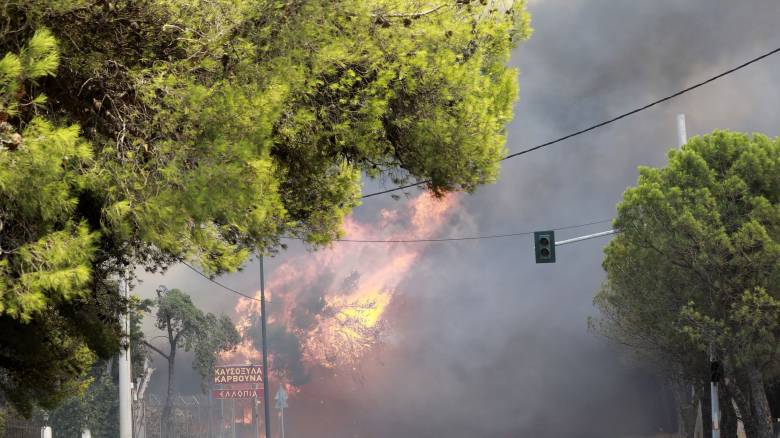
<point x="328" y="307"/>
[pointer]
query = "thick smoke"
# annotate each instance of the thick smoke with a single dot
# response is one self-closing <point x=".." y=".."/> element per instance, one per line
<point x="285" y="346"/>
<point x="482" y="341"/>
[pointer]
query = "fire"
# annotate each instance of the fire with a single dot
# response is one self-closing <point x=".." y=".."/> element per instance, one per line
<point x="353" y="326"/>
<point x="246" y="418"/>
<point x="328" y="308"/>
<point x="365" y="312"/>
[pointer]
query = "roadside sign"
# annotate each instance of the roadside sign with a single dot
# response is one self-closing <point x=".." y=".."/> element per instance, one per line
<point x="237" y="382"/>
<point x="281" y="398"/>
<point x="224" y="394"/>
<point x="238" y="374"/>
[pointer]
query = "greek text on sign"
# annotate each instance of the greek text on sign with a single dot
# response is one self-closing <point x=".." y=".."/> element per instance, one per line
<point x="232" y="374"/>
<point x="237" y="393"/>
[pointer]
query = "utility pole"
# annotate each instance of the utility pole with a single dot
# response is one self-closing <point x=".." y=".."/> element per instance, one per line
<point x="682" y="133"/>
<point x="682" y="139"/>
<point x="266" y="379"/>
<point x="125" y="412"/>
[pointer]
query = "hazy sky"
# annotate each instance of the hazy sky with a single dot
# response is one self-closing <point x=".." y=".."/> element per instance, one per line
<point x="484" y="342"/>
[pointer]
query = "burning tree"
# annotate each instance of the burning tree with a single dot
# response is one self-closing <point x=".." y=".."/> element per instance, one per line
<point x="329" y="309"/>
<point x="344" y="332"/>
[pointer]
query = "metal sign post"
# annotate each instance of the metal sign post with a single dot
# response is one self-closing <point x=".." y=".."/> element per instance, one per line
<point x="281" y="404"/>
<point x="266" y="377"/>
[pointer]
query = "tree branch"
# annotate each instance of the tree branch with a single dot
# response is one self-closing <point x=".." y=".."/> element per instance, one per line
<point x="175" y="343"/>
<point x="156" y="349"/>
<point x="411" y="15"/>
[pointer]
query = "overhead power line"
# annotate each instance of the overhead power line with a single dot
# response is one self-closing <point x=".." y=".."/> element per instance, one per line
<point x="605" y="122"/>
<point x="451" y="239"/>
<point x="513" y="155"/>
<point x="458" y="239"/>
<point x="418" y="183"/>
<point x="229" y="289"/>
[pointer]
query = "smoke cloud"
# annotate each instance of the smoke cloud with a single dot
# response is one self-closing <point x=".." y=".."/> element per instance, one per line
<point x="480" y="340"/>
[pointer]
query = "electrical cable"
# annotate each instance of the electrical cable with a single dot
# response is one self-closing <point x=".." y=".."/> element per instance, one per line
<point x="458" y="239"/>
<point x="513" y="155"/>
<point x="450" y="239"/>
<point x="604" y="123"/>
<point x="418" y="183"/>
<point x="220" y="284"/>
<point x="516" y="154"/>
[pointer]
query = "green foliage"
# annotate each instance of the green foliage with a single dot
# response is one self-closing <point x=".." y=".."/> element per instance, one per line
<point x="218" y="334"/>
<point x="188" y="328"/>
<point x="37" y="59"/>
<point x="218" y="126"/>
<point x="697" y="261"/>
<point x="205" y="130"/>
<point x="97" y="409"/>
<point x="46" y="253"/>
<point x="40" y="57"/>
<point x="138" y="351"/>
<point x="45" y="360"/>
<point x="54" y="268"/>
<point x="178" y="317"/>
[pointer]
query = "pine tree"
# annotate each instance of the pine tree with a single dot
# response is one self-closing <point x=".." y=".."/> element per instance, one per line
<point x="142" y="133"/>
<point x="696" y="267"/>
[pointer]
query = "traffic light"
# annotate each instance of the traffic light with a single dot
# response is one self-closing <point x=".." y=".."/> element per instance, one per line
<point x="544" y="246"/>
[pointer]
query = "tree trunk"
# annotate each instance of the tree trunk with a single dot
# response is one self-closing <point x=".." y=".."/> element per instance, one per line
<point x="762" y="417"/>
<point x="735" y="383"/>
<point x="686" y="408"/>
<point x="706" y="409"/>
<point x="167" y="413"/>
<point x="728" y="417"/>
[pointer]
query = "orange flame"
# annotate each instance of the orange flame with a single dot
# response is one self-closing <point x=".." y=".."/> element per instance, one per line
<point x="348" y="285"/>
